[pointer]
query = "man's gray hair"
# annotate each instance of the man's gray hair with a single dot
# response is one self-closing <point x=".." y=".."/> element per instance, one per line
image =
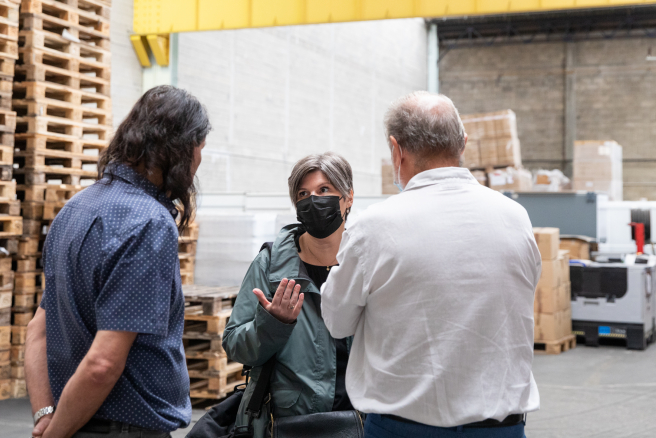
<point x="334" y="166"/>
<point x="426" y="124"/>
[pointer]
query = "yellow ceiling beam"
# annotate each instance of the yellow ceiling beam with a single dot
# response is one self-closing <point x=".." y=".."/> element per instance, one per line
<point x="140" y="49"/>
<point x="168" y="16"/>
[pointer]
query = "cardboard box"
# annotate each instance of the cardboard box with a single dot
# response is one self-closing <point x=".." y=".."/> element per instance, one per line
<point x="552" y="326"/>
<point x="552" y="300"/>
<point x="519" y="180"/>
<point x="548" y="240"/>
<point x="578" y="248"/>
<point x="552" y="274"/>
<point x="493" y="140"/>
<point x="563" y="258"/>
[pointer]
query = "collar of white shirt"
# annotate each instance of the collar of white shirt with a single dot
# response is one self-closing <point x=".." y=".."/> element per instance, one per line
<point x="440" y="174"/>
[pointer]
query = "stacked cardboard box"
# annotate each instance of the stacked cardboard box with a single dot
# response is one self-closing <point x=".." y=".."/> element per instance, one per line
<point x="552" y="306"/>
<point x="577" y="246"/>
<point x="187" y="243"/>
<point x="598" y="167"/>
<point x="493" y="140"/>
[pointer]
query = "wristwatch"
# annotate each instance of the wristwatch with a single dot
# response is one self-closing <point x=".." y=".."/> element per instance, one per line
<point x="42" y="413"/>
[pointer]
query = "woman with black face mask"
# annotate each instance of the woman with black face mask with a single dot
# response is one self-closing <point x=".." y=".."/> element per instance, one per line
<point x="278" y="310"/>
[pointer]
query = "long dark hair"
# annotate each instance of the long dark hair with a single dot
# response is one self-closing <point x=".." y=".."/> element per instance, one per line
<point x="161" y="131"/>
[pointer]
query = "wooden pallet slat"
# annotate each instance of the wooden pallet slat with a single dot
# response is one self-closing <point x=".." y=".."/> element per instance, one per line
<point x="555" y="347"/>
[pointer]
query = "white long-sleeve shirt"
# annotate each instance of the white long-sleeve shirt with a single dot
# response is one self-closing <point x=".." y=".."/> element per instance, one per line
<point x="437" y="284"/>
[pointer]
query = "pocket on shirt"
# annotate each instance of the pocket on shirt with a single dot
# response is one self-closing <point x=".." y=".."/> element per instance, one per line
<point x="285" y="395"/>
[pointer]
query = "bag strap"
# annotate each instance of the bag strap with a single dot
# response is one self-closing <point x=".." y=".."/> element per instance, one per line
<point x="261" y="388"/>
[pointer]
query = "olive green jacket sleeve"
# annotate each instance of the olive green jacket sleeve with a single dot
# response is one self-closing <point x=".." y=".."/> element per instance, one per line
<point x="252" y="335"/>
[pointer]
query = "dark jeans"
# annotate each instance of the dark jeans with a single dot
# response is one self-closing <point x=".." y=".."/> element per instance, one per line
<point x="377" y="426"/>
<point x="117" y="430"/>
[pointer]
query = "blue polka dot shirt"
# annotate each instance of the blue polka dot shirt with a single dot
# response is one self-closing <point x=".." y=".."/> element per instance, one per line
<point x="111" y="263"/>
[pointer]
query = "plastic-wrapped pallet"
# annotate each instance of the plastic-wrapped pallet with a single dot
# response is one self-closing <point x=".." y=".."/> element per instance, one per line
<point x="550" y="181"/>
<point x="598" y="168"/>
<point x="512" y="179"/>
<point x="493" y="140"/>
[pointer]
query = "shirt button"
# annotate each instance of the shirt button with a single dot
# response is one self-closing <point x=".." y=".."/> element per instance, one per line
<point x="174" y="212"/>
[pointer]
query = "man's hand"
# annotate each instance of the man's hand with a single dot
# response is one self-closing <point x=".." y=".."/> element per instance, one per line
<point x="286" y="304"/>
<point x="42" y="425"/>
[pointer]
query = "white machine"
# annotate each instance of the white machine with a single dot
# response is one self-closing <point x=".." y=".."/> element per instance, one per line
<point x="614" y="297"/>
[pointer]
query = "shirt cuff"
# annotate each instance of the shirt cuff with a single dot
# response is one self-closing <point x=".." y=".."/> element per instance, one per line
<point x="271" y="325"/>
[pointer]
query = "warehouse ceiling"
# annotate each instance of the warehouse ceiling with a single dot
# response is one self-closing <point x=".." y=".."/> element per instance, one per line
<point x="603" y="23"/>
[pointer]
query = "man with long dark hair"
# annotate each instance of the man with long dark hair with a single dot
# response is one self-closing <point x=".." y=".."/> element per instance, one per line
<point x="105" y="346"/>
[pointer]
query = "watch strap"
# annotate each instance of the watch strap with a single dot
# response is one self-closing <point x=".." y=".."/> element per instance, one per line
<point x="42" y="413"/>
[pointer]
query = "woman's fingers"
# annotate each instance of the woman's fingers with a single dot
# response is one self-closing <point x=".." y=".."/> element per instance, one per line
<point x="277" y="298"/>
<point x="288" y="291"/>
<point x="297" y="307"/>
<point x="294" y="299"/>
<point x="261" y="298"/>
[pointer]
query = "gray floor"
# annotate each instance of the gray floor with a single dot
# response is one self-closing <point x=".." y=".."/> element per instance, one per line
<point x="586" y="392"/>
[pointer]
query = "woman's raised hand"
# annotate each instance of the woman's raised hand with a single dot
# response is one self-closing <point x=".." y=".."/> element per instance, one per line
<point x="286" y="303"/>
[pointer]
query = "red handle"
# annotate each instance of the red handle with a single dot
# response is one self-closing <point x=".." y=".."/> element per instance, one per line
<point x="639" y="236"/>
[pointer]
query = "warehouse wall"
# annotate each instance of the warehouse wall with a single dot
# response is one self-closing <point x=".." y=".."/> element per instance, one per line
<point x="126" y="70"/>
<point x="278" y="94"/>
<point x="612" y="96"/>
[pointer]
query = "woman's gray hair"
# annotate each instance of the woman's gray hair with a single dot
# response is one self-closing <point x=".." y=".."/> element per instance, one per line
<point x="334" y="166"/>
<point x="426" y="124"/>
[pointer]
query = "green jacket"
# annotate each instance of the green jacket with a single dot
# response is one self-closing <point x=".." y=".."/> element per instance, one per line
<point x="303" y="381"/>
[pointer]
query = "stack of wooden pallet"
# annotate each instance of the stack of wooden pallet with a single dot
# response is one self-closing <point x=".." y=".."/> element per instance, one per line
<point x="187" y="253"/>
<point x="207" y="310"/>
<point x="11" y="223"/>
<point x="62" y="121"/>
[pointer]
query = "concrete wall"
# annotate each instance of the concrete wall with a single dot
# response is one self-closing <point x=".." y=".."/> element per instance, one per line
<point x="278" y="94"/>
<point x="612" y="95"/>
<point x="126" y="70"/>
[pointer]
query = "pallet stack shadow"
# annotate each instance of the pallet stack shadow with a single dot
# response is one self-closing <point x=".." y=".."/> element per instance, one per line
<point x="61" y="99"/>
<point x="552" y="305"/>
<point x="187" y="243"/>
<point x="11" y="383"/>
<point x="207" y="310"/>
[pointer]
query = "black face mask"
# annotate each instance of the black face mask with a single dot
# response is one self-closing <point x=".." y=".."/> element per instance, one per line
<point x="320" y="215"/>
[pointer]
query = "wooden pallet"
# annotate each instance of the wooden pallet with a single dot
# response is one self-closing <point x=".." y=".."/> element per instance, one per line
<point x="53" y="175"/>
<point x="46" y="210"/>
<point x="5" y="341"/>
<point x="18" y="335"/>
<point x="6" y="298"/>
<point x="84" y="68"/>
<point x="53" y="42"/>
<point x="5" y="317"/>
<point x="11" y="226"/>
<point x="10" y="208"/>
<point x="59" y="142"/>
<point x="63" y="110"/>
<point x="60" y="12"/>
<point x="56" y="71"/>
<point x="7" y="121"/>
<point x="217" y="387"/>
<point x="47" y="160"/>
<point x="22" y="319"/>
<point x="5" y="370"/>
<point x="27" y="264"/>
<point x="30" y="246"/>
<point x="7" y="280"/>
<point x="555" y="347"/>
<point x="35" y="229"/>
<point x="27" y="282"/>
<point x="61" y="93"/>
<point x="187" y="247"/>
<point x="47" y="192"/>
<point x="205" y="326"/>
<point x="209" y="300"/>
<point x="59" y="127"/>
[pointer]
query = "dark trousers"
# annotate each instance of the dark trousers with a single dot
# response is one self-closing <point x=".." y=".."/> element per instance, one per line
<point x="378" y="426"/>
<point x="120" y="430"/>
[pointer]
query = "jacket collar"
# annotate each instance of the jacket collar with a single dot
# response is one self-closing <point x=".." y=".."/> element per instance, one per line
<point x="286" y="263"/>
<point x="441" y="175"/>
<point x="131" y="176"/>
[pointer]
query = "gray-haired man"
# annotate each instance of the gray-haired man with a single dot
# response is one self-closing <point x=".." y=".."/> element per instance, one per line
<point x="437" y="286"/>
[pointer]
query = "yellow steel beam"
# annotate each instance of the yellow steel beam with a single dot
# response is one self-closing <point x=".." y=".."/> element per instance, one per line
<point x="167" y="16"/>
<point x="159" y="45"/>
<point x="140" y="50"/>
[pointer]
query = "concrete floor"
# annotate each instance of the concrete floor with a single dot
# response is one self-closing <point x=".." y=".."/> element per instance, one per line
<point x="586" y="392"/>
